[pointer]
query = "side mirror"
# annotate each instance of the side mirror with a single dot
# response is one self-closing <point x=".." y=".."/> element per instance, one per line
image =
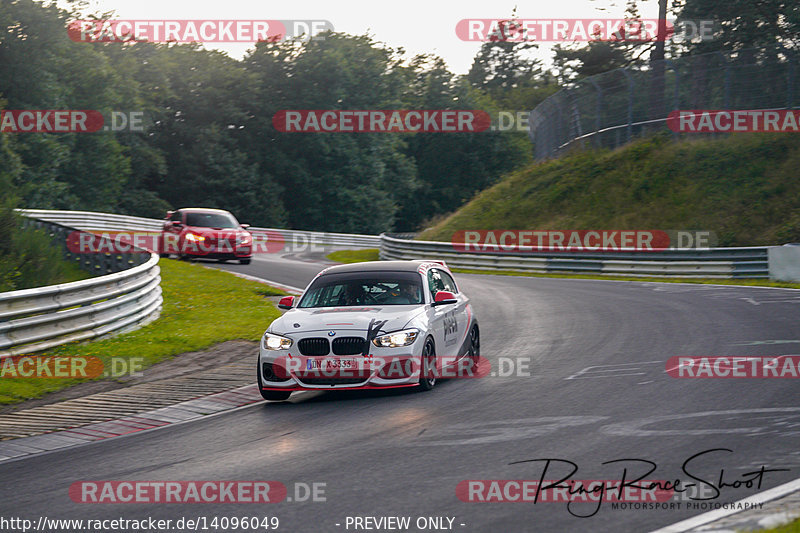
<point x="444" y="298"/>
<point x="287" y="302"/>
<point x="176" y="224"/>
<point x="244" y="226"/>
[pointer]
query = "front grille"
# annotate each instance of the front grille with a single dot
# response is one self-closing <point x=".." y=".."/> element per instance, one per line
<point x="349" y="345"/>
<point x="314" y="346"/>
<point x="332" y="381"/>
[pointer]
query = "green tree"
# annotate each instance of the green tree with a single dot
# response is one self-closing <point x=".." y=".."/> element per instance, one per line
<point x="342" y="181"/>
<point x="41" y="68"/>
<point x="743" y="24"/>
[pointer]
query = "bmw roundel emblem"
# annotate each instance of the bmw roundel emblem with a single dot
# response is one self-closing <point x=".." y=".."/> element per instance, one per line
<point x="331" y="333"/>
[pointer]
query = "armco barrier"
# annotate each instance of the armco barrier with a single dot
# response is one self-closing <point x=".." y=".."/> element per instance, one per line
<point x="710" y="263"/>
<point x="122" y="300"/>
<point x="750" y="262"/>
<point x="97" y="264"/>
<point x="90" y="221"/>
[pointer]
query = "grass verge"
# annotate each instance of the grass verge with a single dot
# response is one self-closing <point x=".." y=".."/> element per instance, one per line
<point x="202" y="307"/>
<point x="791" y="527"/>
<point x="354" y="256"/>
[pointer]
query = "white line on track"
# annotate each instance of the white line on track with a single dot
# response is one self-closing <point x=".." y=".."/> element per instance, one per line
<point x="705" y="518"/>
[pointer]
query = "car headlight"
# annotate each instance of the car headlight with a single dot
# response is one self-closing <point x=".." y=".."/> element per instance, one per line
<point x="194" y="237"/>
<point x="270" y="341"/>
<point x="396" y="339"/>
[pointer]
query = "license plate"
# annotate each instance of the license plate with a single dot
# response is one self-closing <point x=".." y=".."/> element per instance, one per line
<point x="331" y="364"/>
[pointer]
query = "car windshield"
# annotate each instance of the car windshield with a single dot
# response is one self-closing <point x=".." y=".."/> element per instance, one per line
<point x="211" y="220"/>
<point x="364" y="288"/>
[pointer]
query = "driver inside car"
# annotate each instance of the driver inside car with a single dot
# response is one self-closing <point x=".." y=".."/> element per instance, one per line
<point x="352" y="295"/>
<point x="405" y="293"/>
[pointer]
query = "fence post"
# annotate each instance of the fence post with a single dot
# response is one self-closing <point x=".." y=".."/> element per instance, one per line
<point x="630" y="102"/>
<point x="726" y="96"/>
<point x="676" y="94"/>
<point x="790" y="82"/>
<point x="598" y="110"/>
<point x="560" y="123"/>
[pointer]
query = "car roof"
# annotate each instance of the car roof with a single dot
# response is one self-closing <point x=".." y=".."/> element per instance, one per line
<point x="202" y="210"/>
<point x="381" y="266"/>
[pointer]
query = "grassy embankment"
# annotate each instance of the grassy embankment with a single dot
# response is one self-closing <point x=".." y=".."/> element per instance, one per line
<point x="744" y="188"/>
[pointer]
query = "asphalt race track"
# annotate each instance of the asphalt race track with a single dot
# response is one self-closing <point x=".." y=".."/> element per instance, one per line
<point x="588" y="385"/>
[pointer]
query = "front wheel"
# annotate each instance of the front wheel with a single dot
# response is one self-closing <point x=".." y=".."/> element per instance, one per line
<point x="474" y="352"/>
<point x="271" y="395"/>
<point x="427" y="377"/>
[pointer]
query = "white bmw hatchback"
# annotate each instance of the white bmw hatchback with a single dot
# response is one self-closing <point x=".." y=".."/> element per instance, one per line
<point x="370" y="325"/>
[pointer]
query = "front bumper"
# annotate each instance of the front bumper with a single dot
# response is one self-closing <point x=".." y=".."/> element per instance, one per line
<point x="285" y="370"/>
<point x="214" y="251"/>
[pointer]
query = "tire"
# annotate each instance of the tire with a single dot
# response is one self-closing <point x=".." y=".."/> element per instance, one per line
<point x="222" y="260"/>
<point x="244" y="261"/>
<point x="271" y="395"/>
<point x="474" y="352"/>
<point x="426" y="383"/>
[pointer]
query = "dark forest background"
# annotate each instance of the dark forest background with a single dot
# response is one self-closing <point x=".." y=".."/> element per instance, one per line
<point x="209" y="139"/>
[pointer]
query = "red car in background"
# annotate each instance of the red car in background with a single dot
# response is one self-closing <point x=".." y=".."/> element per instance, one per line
<point x="205" y="233"/>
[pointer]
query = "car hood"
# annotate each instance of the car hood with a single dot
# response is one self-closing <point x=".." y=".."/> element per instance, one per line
<point x="345" y="318"/>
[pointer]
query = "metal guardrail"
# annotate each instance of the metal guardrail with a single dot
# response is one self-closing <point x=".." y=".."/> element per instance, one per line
<point x="710" y="263"/>
<point x="97" y="264"/>
<point x="128" y="297"/>
<point x="749" y="262"/>
<point x="90" y="221"/>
